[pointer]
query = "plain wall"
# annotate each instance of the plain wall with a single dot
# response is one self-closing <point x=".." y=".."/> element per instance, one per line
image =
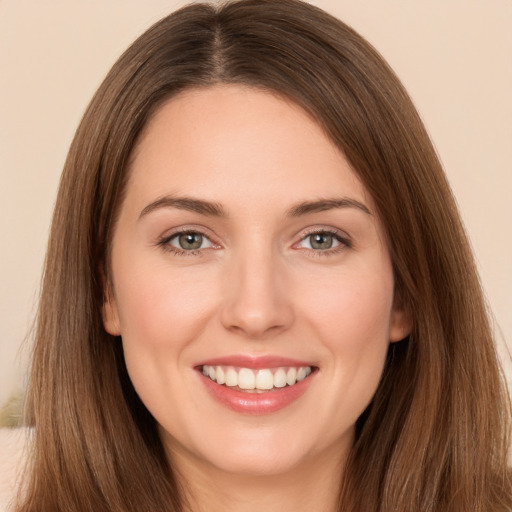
<point x="454" y="57"/>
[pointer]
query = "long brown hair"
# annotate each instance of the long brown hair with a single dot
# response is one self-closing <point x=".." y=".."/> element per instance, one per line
<point x="434" y="438"/>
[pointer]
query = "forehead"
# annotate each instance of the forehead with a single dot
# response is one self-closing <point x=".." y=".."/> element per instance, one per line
<point x="230" y="139"/>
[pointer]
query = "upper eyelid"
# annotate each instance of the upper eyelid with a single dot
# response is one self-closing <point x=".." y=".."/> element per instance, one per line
<point x="321" y="229"/>
<point x="203" y="231"/>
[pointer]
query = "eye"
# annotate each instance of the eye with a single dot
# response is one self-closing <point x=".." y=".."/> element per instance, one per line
<point x="189" y="241"/>
<point x="322" y="241"/>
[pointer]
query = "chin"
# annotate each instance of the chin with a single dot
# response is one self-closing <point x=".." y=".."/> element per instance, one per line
<point x="262" y="448"/>
<point x="257" y="461"/>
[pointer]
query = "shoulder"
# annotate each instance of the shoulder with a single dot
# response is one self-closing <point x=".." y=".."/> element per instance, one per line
<point x="13" y="451"/>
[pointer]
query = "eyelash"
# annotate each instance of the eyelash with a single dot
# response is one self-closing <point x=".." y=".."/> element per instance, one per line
<point x="342" y="238"/>
<point x="164" y="243"/>
<point x="344" y="242"/>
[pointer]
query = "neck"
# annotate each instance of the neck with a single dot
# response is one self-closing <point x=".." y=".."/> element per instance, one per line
<point x="314" y="485"/>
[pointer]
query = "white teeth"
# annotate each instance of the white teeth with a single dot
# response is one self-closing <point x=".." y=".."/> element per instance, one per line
<point x="291" y="376"/>
<point x="301" y="374"/>
<point x="264" y="379"/>
<point x="280" y="378"/>
<point x="231" y="377"/>
<point x="246" y="379"/>
<point x="221" y="377"/>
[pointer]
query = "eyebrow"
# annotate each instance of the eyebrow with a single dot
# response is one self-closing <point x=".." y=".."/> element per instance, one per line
<point x="185" y="203"/>
<point x="321" y="205"/>
<point x="213" y="209"/>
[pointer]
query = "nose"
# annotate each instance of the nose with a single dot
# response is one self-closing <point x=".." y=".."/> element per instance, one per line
<point x="257" y="302"/>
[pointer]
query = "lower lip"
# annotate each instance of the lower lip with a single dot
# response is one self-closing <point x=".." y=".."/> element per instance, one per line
<point x="257" y="403"/>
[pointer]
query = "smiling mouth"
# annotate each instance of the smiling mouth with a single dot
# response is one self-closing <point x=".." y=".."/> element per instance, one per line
<point x="262" y="380"/>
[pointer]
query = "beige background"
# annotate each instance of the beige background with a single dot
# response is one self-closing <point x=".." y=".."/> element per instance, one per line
<point x="454" y="56"/>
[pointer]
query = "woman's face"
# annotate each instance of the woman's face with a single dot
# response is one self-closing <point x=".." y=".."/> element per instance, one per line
<point x="247" y="249"/>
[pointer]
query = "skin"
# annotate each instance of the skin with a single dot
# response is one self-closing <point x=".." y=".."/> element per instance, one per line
<point x="256" y="286"/>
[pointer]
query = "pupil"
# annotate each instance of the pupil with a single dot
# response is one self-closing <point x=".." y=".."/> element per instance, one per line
<point x="190" y="241"/>
<point x="321" y="241"/>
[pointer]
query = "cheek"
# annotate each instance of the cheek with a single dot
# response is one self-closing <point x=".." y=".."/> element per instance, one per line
<point x="161" y="314"/>
<point x="350" y="314"/>
<point x="354" y="309"/>
<point x="158" y="307"/>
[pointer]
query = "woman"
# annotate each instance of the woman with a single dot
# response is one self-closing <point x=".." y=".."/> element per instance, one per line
<point x="258" y="292"/>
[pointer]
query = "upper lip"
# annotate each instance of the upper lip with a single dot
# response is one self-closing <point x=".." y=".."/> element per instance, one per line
<point x="254" y="362"/>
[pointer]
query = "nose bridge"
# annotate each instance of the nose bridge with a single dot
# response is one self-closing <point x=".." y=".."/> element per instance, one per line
<point x="256" y="299"/>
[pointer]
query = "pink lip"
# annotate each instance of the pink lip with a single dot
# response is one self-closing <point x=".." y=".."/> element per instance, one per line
<point x="255" y="403"/>
<point x="254" y="362"/>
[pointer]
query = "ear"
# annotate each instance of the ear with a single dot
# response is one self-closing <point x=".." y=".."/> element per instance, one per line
<point x="109" y="311"/>
<point x="401" y="321"/>
<point x="400" y="325"/>
<point x="110" y="314"/>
